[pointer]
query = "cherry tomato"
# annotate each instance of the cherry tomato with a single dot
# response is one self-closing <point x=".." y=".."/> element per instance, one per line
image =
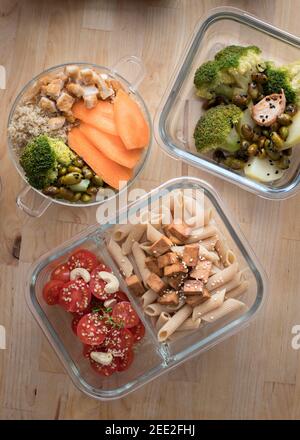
<point x="75" y="296"/>
<point x="97" y="285"/>
<point x="75" y="322"/>
<point x="51" y="291"/>
<point x="91" y="329"/>
<point x="118" y="340"/>
<point x="138" y="332"/>
<point x="123" y="313"/>
<point x="121" y="296"/>
<point x="61" y="273"/>
<point x="124" y="361"/>
<point x="83" y="258"/>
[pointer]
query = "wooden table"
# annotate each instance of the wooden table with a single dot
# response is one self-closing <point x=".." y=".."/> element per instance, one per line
<point x="255" y="374"/>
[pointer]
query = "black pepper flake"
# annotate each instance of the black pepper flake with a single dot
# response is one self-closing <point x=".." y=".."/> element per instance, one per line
<point x="267" y="116"/>
<point x="276" y="172"/>
<point x="268" y="174"/>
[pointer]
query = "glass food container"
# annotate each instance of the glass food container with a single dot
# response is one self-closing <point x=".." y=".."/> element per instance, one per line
<point x="180" y="109"/>
<point x="152" y="358"/>
<point x="33" y="201"/>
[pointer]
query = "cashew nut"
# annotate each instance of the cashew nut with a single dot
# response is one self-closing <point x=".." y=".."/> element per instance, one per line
<point x="112" y="282"/>
<point x="101" y="358"/>
<point x="110" y="303"/>
<point x="80" y="272"/>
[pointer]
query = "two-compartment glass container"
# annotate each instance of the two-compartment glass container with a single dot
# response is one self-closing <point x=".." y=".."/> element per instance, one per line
<point x="152" y="358"/>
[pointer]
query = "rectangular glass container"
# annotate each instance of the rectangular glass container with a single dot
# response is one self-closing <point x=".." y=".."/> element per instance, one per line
<point x="180" y="108"/>
<point x="152" y="358"/>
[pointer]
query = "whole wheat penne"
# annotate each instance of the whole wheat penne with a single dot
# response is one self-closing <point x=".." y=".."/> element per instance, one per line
<point x="213" y="303"/>
<point x="208" y="255"/>
<point x="202" y="233"/>
<point x="163" y="318"/>
<point x="174" y="323"/>
<point x="153" y="234"/>
<point x="229" y="306"/>
<point x="172" y="308"/>
<point x="155" y="309"/>
<point x="134" y="235"/>
<point x="232" y="284"/>
<point x="125" y="266"/>
<point x="214" y="269"/>
<point x="222" y="277"/>
<point x="121" y="231"/>
<point x="189" y="324"/>
<point x="146" y="247"/>
<point x="227" y="256"/>
<point x="210" y="242"/>
<point x="148" y="297"/>
<point x="238" y="291"/>
<point x="140" y="257"/>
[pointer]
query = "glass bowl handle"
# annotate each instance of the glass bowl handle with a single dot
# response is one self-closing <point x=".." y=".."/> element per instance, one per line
<point x="117" y="68"/>
<point x="31" y="202"/>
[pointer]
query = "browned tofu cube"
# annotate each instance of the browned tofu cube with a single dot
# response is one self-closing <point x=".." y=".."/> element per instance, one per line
<point x="180" y="231"/>
<point x="155" y="283"/>
<point x="175" y="269"/>
<point x="167" y="259"/>
<point x="194" y="300"/>
<point x="169" y="297"/>
<point x="191" y="254"/>
<point x="202" y="270"/>
<point x="152" y="265"/>
<point x="176" y="282"/>
<point x="193" y="287"/>
<point x="135" y="285"/>
<point x="173" y="239"/>
<point x="160" y="247"/>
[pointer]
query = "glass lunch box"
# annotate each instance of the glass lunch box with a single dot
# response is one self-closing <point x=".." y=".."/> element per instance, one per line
<point x="152" y="358"/>
<point x="180" y="109"/>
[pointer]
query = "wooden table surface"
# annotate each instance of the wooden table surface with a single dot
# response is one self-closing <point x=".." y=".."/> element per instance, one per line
<point x="255" y="374"/>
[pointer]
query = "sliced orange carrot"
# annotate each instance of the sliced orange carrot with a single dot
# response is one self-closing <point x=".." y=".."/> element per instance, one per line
<point x="111" y="172"/>
<point x="130" y="121"/>
<point x="111" y="146"/>
<point x="100" y="116"/>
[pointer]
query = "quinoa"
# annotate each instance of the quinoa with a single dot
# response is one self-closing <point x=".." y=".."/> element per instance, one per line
<point x="28" y="122"/>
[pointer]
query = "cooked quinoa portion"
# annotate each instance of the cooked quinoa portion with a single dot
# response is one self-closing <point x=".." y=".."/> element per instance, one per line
<point x="30" y="121"/>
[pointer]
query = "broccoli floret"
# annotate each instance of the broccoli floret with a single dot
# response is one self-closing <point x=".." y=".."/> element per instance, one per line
<point x="39" y="162"/>
<point x="216" y="129"/>
<point x="286" y="78"/>
<point x="231" y="67"/>
<point x="62" y="152"/>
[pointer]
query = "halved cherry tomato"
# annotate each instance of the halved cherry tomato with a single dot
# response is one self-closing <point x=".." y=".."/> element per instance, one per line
<point x="91" y="329"/>
<point x="118" y="340"/>
<point x="123" y="313"/>
<point x="75" y="296"/>
<point x="97" y="285"/>
<point x="121" y="296"/>
<point x="61" y="272"/>
<point x="83" y="258"/>
<point x="124" y="361"/>
<point x="138" y="332"/>
<point x="75" y="322"/>
<point x="51" y="291"/>
<point x="105" y="370"/>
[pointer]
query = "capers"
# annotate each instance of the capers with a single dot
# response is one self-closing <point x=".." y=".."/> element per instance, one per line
<point x="77" y="196"/>
<point x="284" y="132"/>
<point x="276" y="139"/>
<point x="65" y="193"/>
<point x="73" y="169"/>
<point x="247" y="132"/>
<point x="78" y="162"/>
<point x="51" y="191"/>
<point x="97" y="180"/>
<point x="62" y="170"/>
<point x="92" y="190"/>
<point x="252" y="149"/>
<point x="235" y="164"/>
<point x="260" y="78"/>
<point x="71" y="179"/>
<point x="87" y="172"/>
<point x="240" y="100"/>
<point x="253" y="91"/>
<point x="291" y="109"/>
<point x="262" y="153"/>
<point x="283" y="163"/>
<point x="272" y="152"/>
<point x="85" y="198"/>
<point x="284" y="119"/>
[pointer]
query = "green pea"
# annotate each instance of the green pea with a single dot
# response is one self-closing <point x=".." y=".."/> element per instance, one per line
<point x="77" y="197"/>
<point x="284" y="132"/>
<point x="87" y="172"/>
<point x="284" y="119"/>
<point x="97" y="180"/>
<point x="73" y="169"/>
<point x="276" y="139"/>
<point x="62" y="171"/>
<point x="85" y="198"/>
<point x="71" y="179"/>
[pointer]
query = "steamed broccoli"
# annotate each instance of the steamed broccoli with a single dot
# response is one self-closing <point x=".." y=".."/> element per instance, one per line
<point x="216" y="129"/>
<point x="286" y="78"/>
<point x="40" y="159"/>
<point x="231" y="68"/>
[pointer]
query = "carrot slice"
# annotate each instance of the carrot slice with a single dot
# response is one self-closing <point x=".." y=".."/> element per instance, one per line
<point x="111" y="172"/>
<point x="131" y="124"/>
<point x="111" y="146"/>
<point x="100" y="116"/>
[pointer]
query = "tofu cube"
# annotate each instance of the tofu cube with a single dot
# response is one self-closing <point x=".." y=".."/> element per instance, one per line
<point x="169" y="297"/>
<point x="167" y="259"/>
<point x="65" y="102"/>
<point x="191" y="254"/>
<point x="180" y="231"/>
<point x="175" y="269"/>
<point x="193" y="287"/>
<point x="202" y="271"/>
<point x="194" y="300"/>
<point x="135" y="285"/>
<point x="155" y="283"/>
<point x="160" y="247"/>
<point x="152" y="265"/>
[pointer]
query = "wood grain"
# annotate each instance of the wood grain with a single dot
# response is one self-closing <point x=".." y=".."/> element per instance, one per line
<point x="259" y="375"/>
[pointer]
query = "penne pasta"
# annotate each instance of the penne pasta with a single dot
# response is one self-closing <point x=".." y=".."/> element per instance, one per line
<point x="229" y="306"/>
<point x="120" y="232"/>
<point x="163" y="318"/>
<point x="222" y="277"/>
<point x="238" y="290"/>
<point x="125" y="266"/>
<point x="153" y="234"/>
<point x="226" y="255"/>
<point x="155" y="309"/>
<point x="208" y="255"/>
<point x="210" y="242"/>
<point x="148" y="297"/>
<point x="213" y="303"/>
<point x="232" y="284"/>
<point x="189" y="324"/>
<point x="134" y="235"/>
<point x="174" y="323"/>
<point x="139" y="257"/>
<point x="202" y="233"/>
